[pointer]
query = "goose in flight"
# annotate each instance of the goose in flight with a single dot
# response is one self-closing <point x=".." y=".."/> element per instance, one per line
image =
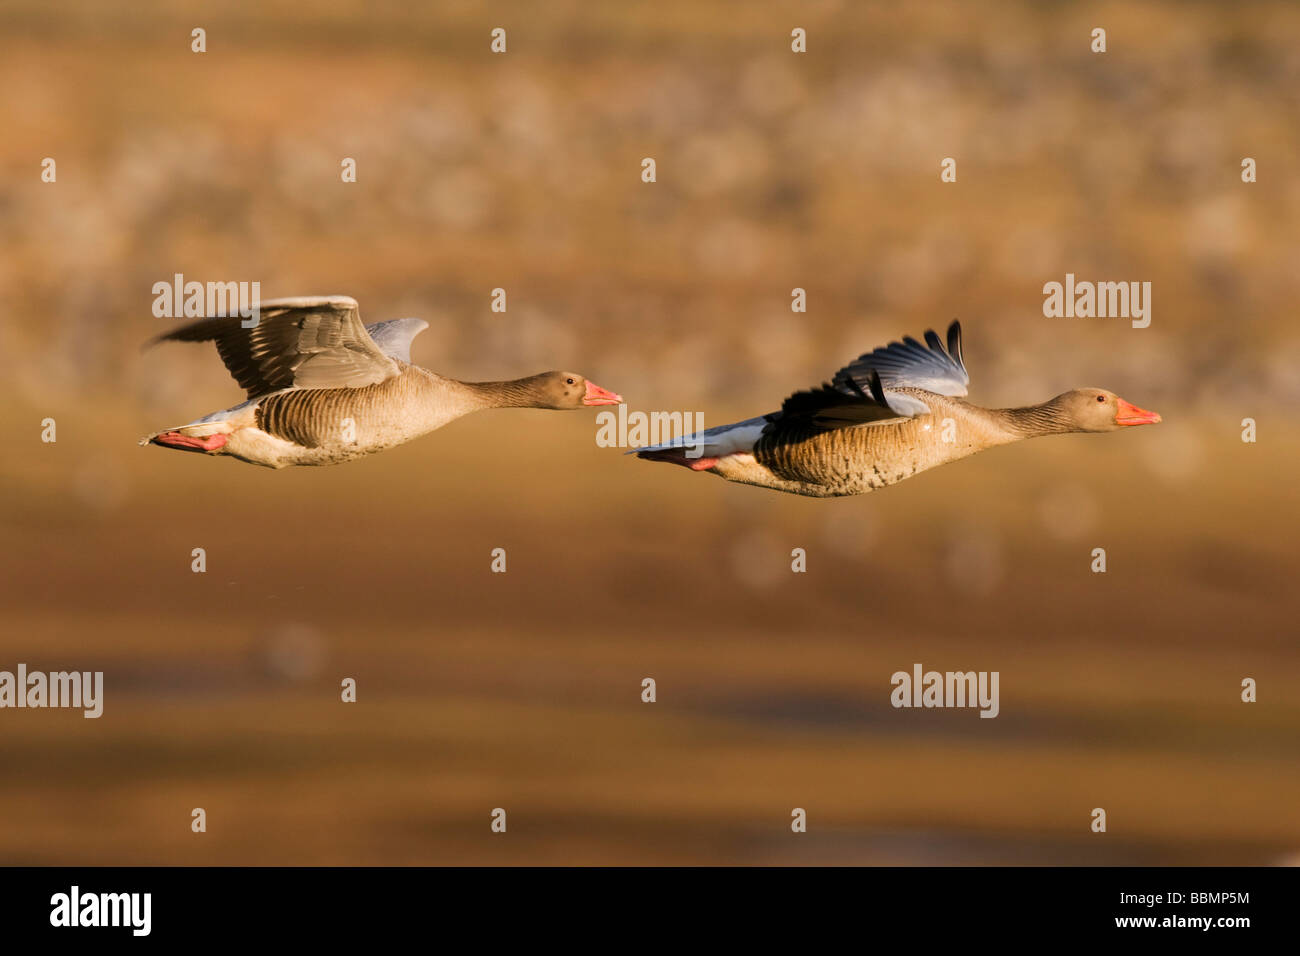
<point x="892" y="413"/>
<point x="323" y="388"/>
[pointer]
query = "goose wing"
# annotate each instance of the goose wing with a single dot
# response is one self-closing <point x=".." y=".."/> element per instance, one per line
<point x="867" y="389"/>
<point x="313" y="342"/>
<point x="394" y="336"/>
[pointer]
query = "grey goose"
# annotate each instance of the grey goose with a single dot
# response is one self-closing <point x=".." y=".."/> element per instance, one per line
<point x="892" y="413"/>
<point x="322" y="388"/>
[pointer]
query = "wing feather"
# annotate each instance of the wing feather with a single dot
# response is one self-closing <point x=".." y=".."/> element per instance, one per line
<point x="868" y="389"/>
<point x="314" y="342"/>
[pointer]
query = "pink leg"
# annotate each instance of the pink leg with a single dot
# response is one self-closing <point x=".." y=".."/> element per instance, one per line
<point x="675" y="456"/>
<point x="186" y="443"/>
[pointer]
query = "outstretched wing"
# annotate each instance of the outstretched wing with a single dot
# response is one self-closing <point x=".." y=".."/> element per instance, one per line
<point x="394" y="336"/>
<point x="312" y="342"/>
<point x="909" y="364"/>
<point x="867" y="389"/>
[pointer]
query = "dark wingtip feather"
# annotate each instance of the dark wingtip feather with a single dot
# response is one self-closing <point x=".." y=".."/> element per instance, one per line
<point x="954" y="342"/>
<point x="173" y="336"/>
<point x="932" y="340"/>
<point x="857" y="389"/>
<point x="878" y="390"/>
<point x="201" y="330"/>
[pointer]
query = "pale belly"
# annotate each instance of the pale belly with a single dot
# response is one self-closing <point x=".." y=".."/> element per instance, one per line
<point x="256" y="447"/>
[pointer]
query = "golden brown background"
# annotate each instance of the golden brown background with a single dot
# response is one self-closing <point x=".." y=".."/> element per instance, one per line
<point x="521" y="690"/>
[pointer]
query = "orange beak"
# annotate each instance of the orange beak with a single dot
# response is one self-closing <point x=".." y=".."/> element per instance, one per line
<point x="1130" y="414"/>
<point x="599" y="396"/>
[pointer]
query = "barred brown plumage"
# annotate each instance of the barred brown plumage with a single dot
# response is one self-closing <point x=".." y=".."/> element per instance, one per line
<point x="324" y="389"/>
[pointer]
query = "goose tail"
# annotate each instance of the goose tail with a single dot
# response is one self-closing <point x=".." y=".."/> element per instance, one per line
<point x="711" y="444"/>
<point x="205" y="437"/>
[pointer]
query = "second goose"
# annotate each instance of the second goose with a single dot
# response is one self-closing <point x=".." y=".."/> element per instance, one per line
<point x="883" y="418"/>
<point x="323" y="388"/>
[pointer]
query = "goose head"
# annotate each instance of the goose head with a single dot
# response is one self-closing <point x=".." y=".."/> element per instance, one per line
<point x="1098" y="410"/>
<point x="561" y="390"/>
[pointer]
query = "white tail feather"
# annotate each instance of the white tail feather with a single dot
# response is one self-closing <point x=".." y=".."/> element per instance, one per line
<point x="715" y="442"/>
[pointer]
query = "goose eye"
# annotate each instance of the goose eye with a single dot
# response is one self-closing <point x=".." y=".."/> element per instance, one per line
<point x="1101" y="398"/>
<point x="569" y="381"/>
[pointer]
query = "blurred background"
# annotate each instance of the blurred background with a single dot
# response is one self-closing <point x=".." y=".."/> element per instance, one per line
<point x="522" y="690"/>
